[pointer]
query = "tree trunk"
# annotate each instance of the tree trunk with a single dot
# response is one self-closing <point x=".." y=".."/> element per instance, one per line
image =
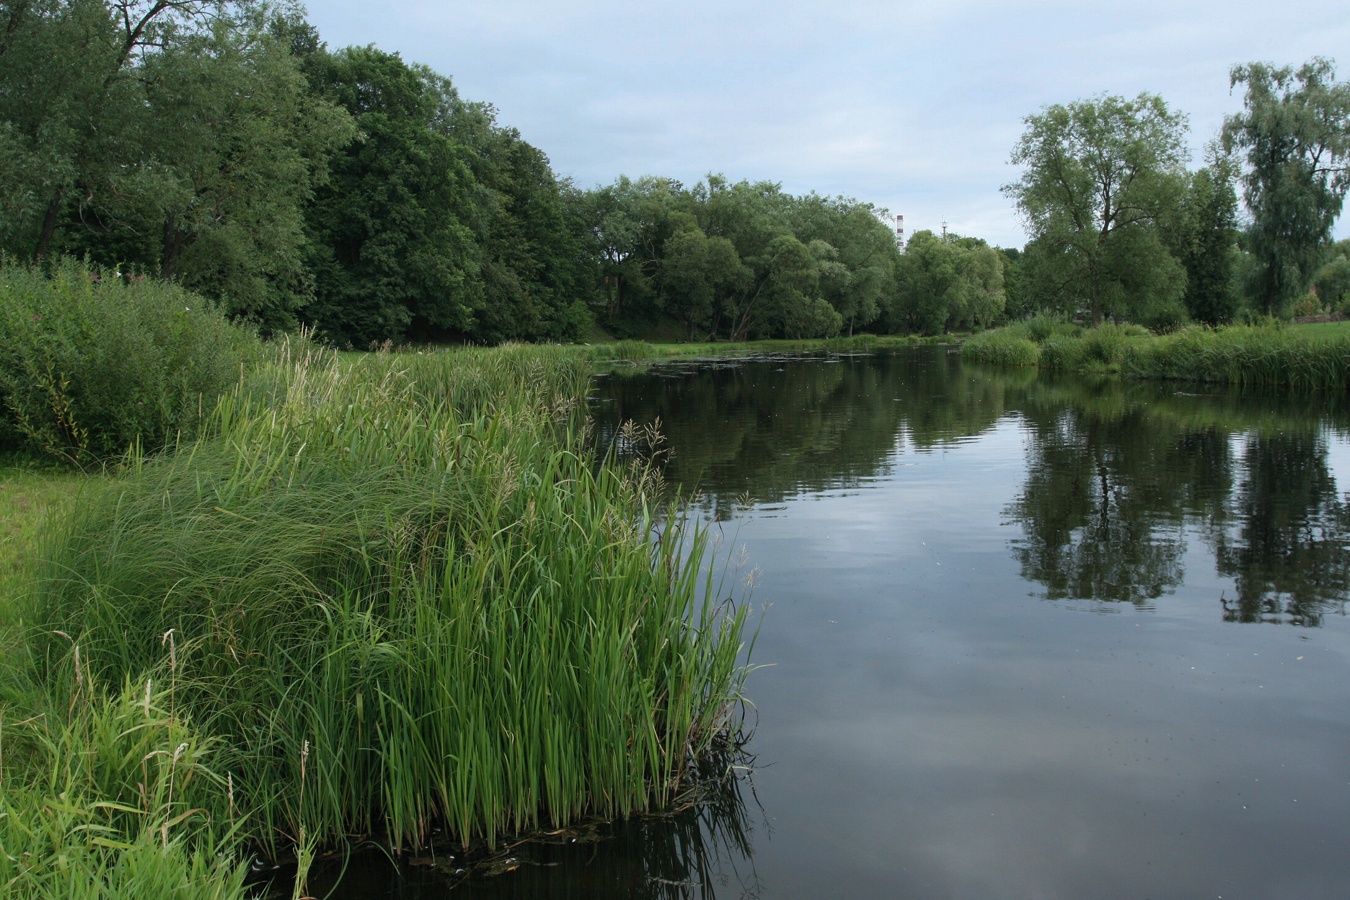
<point x="49" y="219"/>
<point x="172" y="247"/>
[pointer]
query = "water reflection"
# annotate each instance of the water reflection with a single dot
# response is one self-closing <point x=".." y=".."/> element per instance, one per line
<point x="1120" y="479"/>
<point x="933" y="726"/>
<point x="771" y="429"/>
<point x="1284" y="543"/>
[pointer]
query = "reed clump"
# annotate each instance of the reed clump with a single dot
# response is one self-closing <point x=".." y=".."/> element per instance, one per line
<point x="402" y="594"/>
<point x="1009" y="347"/>
<point x="1268" y="353"/>
<point x="1264" y="354"/>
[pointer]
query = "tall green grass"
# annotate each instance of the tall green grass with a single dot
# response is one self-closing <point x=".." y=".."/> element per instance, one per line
<point x="1303" y="359"/>
<point x="1008" y="347"/>
<point x="1267" y="354"/>
<point x="118" y="801"/>
<point x="398" y="593"/>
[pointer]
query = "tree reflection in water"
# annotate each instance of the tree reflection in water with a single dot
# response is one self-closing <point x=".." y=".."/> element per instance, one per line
<point x="1119" y="478"/>
<point x="1284" y="544"/>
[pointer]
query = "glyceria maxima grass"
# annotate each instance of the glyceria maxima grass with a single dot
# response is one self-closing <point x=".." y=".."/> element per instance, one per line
<point x="415" y="567"/>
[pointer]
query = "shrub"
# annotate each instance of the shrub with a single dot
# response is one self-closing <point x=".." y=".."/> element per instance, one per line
<point x="1307" y="305"/>
<point x="1040" y="327"/>
<point x="91" y="364"/>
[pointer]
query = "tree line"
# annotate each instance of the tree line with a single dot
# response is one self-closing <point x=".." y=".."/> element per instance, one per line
<point x="226" y="147"/>
<point x="1119" y="228"/>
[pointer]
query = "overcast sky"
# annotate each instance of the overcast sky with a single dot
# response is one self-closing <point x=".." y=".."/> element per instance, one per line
<point x="912" y="106"/>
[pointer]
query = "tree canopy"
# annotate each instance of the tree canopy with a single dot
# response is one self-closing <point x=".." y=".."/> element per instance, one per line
<point x="221" y="145"/>
<point x="1099" y="176"/>
<point x="1295" y="132"/>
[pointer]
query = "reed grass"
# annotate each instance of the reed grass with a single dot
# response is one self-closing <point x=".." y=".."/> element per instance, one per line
<point x="1009" y="347"/>
<point x="1299" y="358"/>
<point x="119" y="801"/>
<point x="399" y="592"/>
<point x="1267" y="354"/>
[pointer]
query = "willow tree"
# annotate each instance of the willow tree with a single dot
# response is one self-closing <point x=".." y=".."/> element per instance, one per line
<point x="1295" y="130"/>
<point x="1099" y="177"/>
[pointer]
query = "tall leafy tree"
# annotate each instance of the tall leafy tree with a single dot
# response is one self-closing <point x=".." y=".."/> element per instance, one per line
<point x="697" y="275"/>
<point x="391" y="228"/>
<point x="534" y="273"/>
<point x="1098" y="177"/>
<point x="72" y="104"/>
<point x="1295" y="131"/>
<point x="628" y="224"/>
<point x="1208" y="244"/>
<point x="945" y="284"/>
<point x="857" y="273"/>
<point x="238" y="147"/>
<point x="179" y="138"/>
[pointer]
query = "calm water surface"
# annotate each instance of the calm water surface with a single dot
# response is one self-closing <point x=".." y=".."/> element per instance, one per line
<point x="1024" y="637"/>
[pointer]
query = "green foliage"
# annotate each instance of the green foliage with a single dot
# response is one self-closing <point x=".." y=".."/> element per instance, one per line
<point x="946" y="284"/>
<point x="529" y="234"/>
<point x="1064" y="353"/>
<point x="91" y="364"/>
<point x="171" y="140"/>
<point x="391" y="226"/>
<point x="1259" y="354"/>
<point x="1051" y="345"/>
<point x="741" y="261"/>
<point x="1295" y="129"/>
<point x="1041" y="326"/>
<point x="404" y="593"/>
<point x="1100" y="177"/>
<point x="1333" y="279"/>
<point x="438" y="223"/>
<point x="1209" y="244"/>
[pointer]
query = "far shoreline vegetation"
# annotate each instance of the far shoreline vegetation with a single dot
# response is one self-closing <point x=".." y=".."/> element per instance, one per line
<point x="256" y="590"/>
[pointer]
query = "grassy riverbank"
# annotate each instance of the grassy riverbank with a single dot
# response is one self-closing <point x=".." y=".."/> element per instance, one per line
<point x="386" y="595"/>
<point x="637" y="350"/>
<point x="1302" y="357"/>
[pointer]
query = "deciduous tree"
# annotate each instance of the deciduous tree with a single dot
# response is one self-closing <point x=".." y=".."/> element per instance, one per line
<point x="1098" y="177"/>
<point x="1295" y="132"/>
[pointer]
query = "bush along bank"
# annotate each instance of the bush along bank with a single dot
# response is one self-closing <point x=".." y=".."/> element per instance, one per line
<point x="393" y="595"/>
<point x="1267" y="354"/>
<point x="93" y="363"/>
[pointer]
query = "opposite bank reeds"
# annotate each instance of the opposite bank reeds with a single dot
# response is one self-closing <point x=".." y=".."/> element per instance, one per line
<point x="1270" y="354"/>
<point x="400" y="593"/>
